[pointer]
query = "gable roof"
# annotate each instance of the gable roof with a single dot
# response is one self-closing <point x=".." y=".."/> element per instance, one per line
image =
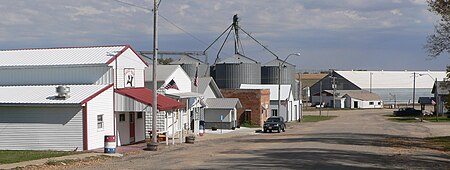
<point x="443" y="87"/>
<point x="223" y="103"/>
<point x="145" y="96"/>
<point x="362" y="95"/>
<point x="392" y="79"/>
<point x="42" y="95"/>
<point x="163" y="72"/>
<point x="204" y="83"/>
<point x="284" y="88"/>
<point x="62" y="56"/>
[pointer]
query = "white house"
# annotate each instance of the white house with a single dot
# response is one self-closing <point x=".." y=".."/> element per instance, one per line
<point x="219" y="112"/>
<point x="289" y="110"/>
<point x="349" y="99"/>
<point x="95" y="97"/>
<point x="187" y="118"/>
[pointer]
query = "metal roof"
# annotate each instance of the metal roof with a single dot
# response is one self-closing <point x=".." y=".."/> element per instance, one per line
<point x="238" y="59"/>
<point x="184" y="95"/>
<point x="277" y="62"/>
<point x="443" y="87"/>
<point x="145" y="96"/>
<point x="392" y="79"/>
<point x="187" y="60"/>
<point x="223" y="103"/>
<point x="363" y="95"/>
<point x="204" y="82"/>
<point x="47" y="94"/>
<point x="163" y="72"/>
<point x="284" y="88"/>
<point x="60" y="56"/>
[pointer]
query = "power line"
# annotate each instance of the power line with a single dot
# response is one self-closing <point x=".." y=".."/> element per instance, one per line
<point x="164" y="18"/>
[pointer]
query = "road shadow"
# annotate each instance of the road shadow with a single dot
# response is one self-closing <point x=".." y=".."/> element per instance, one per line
<point x="317" y="158"/>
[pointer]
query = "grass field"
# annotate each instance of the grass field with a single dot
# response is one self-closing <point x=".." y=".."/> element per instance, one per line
<point x="441" y="142"/>
<point x="312" y="118"/>
<point x="12" y="156"/>
<point x="417" y="119"/>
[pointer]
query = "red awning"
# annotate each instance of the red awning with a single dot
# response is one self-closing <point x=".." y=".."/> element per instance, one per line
<point x="144" y="96"/>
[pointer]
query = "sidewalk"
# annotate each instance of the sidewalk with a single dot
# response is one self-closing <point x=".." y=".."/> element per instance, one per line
<point x="130" y="149"/>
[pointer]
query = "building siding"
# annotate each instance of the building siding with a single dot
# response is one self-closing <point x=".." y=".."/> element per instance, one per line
<point x="60" y="75"/>
<point x="41" y="128"/>
<point x="100" y="105"/>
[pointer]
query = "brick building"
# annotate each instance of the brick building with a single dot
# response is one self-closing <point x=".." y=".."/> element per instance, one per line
<point x="255" y="104"/>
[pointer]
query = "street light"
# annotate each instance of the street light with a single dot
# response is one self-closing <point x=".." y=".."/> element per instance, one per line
<point x="279" y="82"/>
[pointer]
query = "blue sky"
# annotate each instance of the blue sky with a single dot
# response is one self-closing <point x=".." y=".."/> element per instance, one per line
<point x="344" y="34"/>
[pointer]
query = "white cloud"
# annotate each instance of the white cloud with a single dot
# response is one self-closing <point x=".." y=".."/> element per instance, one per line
<point x="396" y="12"/>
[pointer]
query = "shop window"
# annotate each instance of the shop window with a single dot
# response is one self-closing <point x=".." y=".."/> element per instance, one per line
<point x="121" y="117"/>
<point x="370" y="103"/>
<point x="139" y="115"/>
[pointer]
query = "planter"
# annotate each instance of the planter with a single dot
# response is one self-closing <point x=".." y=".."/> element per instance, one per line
<point x="190" y="139"/>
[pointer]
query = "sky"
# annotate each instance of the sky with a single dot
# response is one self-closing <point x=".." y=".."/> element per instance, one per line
<point x="329" y="34"/>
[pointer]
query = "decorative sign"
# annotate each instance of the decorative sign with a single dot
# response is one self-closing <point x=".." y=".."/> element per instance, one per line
<point x="129" y="77"/>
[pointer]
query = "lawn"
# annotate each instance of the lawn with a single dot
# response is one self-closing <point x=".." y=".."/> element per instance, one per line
<point x="314" y="118"/>
<point x="417" y="119"/>
<point x="441" y="142"/>
<point x="12" y="156"/>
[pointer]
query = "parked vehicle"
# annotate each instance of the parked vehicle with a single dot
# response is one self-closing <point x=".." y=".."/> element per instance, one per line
<point x="274" y="123"/>
<point x="407" y="111"/>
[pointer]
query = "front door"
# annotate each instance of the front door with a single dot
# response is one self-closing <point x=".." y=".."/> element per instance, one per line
<point x="355" y="104"/>
<point x="132" y="128"/>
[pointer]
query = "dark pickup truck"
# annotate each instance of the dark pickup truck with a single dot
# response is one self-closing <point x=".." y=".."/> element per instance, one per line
<point x="407" y="112"/>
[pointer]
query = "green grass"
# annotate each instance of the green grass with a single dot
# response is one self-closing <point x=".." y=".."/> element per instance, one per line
<point x="249" y="124"/>
<point x="441" y="142"/>
<point x="313" y="118"/>
<point x="417" y="119"/>
<point x="12" y="156"/>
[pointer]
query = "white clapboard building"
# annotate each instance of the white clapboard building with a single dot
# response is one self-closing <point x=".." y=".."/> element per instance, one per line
<point x="70" y="98"/>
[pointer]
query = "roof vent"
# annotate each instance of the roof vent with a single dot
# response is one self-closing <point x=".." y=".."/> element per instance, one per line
<point x="63" y="92"/>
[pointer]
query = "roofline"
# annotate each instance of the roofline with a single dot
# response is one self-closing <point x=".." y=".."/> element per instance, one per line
<point x="96" y="94"/>
<point x="40" y="104"/>
<point x="23" y="49"/>
<point x="122" y="51"/>
<point x="51" y="66"/>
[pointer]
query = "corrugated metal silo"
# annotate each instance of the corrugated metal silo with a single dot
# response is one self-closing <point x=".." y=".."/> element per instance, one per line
<point x="189" y="65"/>
<point x="270" y="72"/>
<point x="237" y="70"/>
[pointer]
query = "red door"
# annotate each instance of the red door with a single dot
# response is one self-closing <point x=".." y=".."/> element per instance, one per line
<point x="132" y="128"/>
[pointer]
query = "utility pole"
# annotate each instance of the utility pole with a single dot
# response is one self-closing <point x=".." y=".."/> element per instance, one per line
<point x="414" y="89"/>
<point x="154" y="143"/>
<point x="333" y="85"/>
<point x="320" y="98"/>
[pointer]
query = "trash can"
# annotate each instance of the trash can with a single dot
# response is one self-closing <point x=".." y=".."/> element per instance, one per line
<point x="202" y="128"/>
<point x="110" y="144"/>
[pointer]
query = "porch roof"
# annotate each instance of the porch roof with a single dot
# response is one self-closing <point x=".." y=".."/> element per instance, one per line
<point x="144" y="96"/>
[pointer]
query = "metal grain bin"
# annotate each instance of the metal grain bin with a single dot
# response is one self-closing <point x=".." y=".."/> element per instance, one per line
<point x="270" y="72"/>
<point x="237" y="70"/>
<point x="189" y="65"/>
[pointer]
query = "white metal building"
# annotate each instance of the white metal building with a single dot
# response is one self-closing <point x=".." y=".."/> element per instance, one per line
<point x="289" y="111"/>
<point x="92" y="108"/>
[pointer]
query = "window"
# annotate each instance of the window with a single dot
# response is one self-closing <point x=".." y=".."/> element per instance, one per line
<point x="274" y="112"/>
<point x="99" y="121"/>
<point x="121" y="117"/>
<point x="139" y="115"/>
<point x="370" y="103"/>
<point x="247" y="115"/>
<point x="379" y="103"/>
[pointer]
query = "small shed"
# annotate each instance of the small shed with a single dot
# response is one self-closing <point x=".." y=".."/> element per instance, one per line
<point x="221" y="112"/>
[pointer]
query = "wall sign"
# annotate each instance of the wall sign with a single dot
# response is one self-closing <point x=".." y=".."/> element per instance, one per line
<point x="129" y="77"/>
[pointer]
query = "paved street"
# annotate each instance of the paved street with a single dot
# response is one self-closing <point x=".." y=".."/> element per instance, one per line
<point x="355" y="140"/>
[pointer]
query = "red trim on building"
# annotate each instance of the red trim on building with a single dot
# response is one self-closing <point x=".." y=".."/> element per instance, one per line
<point x="85" y="128"/>
<point x="96" y="94"/>
<point x="23" y="49"/>
<point x="144" y="96"/>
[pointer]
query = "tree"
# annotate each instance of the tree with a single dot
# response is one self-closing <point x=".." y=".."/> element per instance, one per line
<point x="439" y="42"/>
<point x="165" y="61"/>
